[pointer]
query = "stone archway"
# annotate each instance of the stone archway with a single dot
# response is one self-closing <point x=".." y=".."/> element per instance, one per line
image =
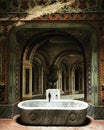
<point x="74" y="29"/>
<point x="48" y="42"/>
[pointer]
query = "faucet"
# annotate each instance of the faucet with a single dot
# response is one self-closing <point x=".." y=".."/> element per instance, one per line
<point x="49" y="97"/>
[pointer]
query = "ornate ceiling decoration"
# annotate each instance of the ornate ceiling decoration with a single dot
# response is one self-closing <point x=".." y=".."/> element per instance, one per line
<point x="25" y="5"/>
<point x="25" y="10"/>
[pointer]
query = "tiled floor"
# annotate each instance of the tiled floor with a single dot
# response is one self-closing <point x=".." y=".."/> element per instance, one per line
<point x="11" y="124"/>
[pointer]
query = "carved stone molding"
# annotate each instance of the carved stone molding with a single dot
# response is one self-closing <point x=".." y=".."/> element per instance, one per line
<point x="25" y="34"/>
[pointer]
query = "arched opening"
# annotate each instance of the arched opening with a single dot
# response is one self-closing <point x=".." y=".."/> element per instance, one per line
<point x="59" y="48"/>
<point x="71" y="71"/>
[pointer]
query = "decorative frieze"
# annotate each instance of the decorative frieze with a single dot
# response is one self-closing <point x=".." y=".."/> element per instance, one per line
<point x="26" y="10"/>
<point x="89" y="88"/>
<point x="22" y="18"/>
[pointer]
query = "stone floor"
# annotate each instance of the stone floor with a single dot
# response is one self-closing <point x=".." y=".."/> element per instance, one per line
<point x="11" y="124"/>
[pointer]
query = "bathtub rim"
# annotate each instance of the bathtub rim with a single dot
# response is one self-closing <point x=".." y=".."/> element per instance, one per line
<point x="20" y="105"/>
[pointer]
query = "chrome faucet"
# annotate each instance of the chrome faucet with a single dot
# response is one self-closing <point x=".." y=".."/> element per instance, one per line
<point x="49" y="97"/>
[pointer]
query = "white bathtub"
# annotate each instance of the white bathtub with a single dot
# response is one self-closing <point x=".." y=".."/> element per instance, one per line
<point x="56" y="112"/>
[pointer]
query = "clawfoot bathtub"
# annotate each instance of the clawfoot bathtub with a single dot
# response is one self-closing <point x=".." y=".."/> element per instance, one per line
<point x="56" y="112"/>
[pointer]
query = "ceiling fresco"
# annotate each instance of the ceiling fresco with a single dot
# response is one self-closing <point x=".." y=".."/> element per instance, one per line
<point x="27" y="10"/>
<point x="24" y="6"/>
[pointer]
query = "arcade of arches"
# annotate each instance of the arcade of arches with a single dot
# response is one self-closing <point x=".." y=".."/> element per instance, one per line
<point x="59" y="49"/>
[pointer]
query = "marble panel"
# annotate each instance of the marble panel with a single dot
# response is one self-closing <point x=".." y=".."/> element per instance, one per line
<point x="8" y="111"/>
